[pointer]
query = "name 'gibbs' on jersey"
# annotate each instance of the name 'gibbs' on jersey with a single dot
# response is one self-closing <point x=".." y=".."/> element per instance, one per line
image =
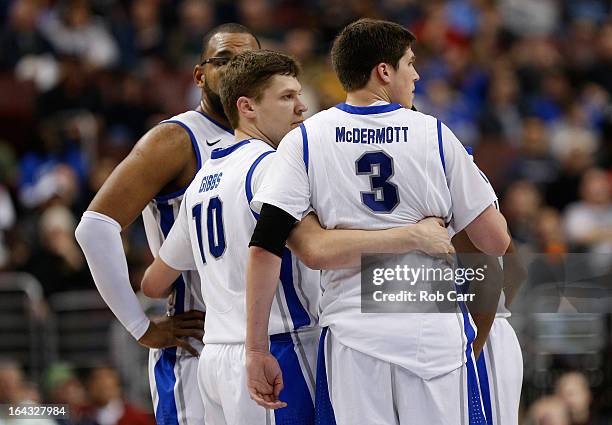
<point x="377" y="167"/>
<point x="212" y="233"/>
<point x="159" y="215"/>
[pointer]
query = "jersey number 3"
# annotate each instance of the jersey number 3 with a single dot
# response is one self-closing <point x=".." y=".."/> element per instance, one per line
<point x="383" y="196"/>
<point x="214" y="225"/>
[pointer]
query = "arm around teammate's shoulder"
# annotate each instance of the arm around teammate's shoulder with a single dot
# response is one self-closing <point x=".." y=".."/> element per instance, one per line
<point x="323" y="249"/>
<point x="489" y="232"/>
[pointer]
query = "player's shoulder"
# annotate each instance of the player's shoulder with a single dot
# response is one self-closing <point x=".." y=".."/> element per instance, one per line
<point x="241" y="152"/>
<point x="166" y="139"/>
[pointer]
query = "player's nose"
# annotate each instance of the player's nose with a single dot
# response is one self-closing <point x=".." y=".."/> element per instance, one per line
<point x="300" y="107"/>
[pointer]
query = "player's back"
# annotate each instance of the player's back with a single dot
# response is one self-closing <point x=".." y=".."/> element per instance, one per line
<point x="386" y="166"/>
<point x="220" y="228"/>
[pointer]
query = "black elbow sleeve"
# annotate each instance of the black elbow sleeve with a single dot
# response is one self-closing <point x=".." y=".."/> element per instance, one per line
<point x="272" y="229"/>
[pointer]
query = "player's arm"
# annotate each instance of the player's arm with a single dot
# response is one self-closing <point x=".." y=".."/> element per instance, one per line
<point x="265" y="380"/>
<point x="472" y="197"/>
<point x="284" y="198"/>
<point x="320" y="249"/>
<point x="161" y="156"/>
<point x="515" y="273"/>
<point x="483" y="306"/>
<point x="158" y="278"/>
<point x="175" y="256"/>
<point x="488" y="232"/>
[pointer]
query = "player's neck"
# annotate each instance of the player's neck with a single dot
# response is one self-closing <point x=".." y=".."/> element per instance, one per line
<point x="367" y="96"/>
<point x="251" y="133"/>
<point x="209" y="110"/>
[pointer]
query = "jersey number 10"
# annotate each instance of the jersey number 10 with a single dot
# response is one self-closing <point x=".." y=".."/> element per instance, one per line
<point x="214" y="226"/>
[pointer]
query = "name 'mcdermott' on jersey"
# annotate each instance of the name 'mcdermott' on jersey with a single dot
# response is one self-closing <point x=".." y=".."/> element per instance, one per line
<point x="160" y="214"/>
<point x="377" y="167"/>
<point x="212" y="234"/>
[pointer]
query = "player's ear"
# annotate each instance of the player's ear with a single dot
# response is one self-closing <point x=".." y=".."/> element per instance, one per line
<point x="198" y="75"/>
<point x="382" y="71"/>
<point x="245" y="107"/>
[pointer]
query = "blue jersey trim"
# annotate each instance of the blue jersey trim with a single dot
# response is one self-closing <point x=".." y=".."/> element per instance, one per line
<point x="194" y="142"/>
<point x="215" y="122"/>
<point x="222" y="152"/>
<point x="169" y="196"/>
<point x="483" y="378"/>
<point x="368" y="110"/>
<point x="440" y="145"/>
<point x="299" y="315"/>
<point x="476" y="414"/>
<point x="305" y="146"/>
<point x="300" y="407"/>
<point x="165" y="380"/>
<point x="323" y="407"/>
<point x="247" y="183"/>
<point x="469" y="150"/>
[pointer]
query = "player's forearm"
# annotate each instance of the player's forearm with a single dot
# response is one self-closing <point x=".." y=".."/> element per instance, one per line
<point x="323" y="249"/>
<point x="100" y="239"/>
<point x="515" y="273"/>
<point x="158" y="278"/>
<point x="263" y="269"/>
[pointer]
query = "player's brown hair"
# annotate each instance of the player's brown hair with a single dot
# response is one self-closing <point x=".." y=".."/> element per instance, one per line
<point x="364" y="44"/>
<point x="248" y="74"/>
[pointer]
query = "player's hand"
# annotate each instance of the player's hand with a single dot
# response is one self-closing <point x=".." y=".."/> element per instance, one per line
<point x="433" y="238"/>
<point x="264" y="379"/>
<point x="173" y="331"/>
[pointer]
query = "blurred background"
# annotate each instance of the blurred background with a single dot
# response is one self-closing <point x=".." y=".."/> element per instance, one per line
<point x="526" y="83"/>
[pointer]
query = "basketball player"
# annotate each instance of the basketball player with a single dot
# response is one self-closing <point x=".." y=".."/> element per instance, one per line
<point x="260" y="95"/>
<point x="152" y="179"/>
<point x="389" y="166"/>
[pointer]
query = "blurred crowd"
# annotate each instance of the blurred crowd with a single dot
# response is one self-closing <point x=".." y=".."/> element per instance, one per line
<point x="93" y="397"/>
<point x="527" y="84"/>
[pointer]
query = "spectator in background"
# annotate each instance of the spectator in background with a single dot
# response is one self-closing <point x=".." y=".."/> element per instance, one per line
<point x="548" y="268"/>
<point x="548" y="411"/>
<point x="573" y="388"/>
<point x="23" y="45"/>
<point x="104" y="391"/>
<point x="59" y="264"/>
<point x="588" y="222"/>
<point x="74" y="31"/>
<point x="572" y="135"/>
<point x="8" y="216"/>
<point x="139" y="33"/>
<point x="196" y="18"/>
<point x="501" y="107"/>
<point x="601" y="72"/>
<point x="62" y="386"/>
<point x="534" y="162"/>
<point x="14" y="390"/>
<point x="7" y="220"/>
<point x="521" y="205"/>
<point x="301" y="43"/>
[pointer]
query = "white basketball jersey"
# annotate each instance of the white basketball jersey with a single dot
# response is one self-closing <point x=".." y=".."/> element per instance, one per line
<point x="377" y="167"/>
<point x="212" y="234"/>
<point x="160" y="214"/>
